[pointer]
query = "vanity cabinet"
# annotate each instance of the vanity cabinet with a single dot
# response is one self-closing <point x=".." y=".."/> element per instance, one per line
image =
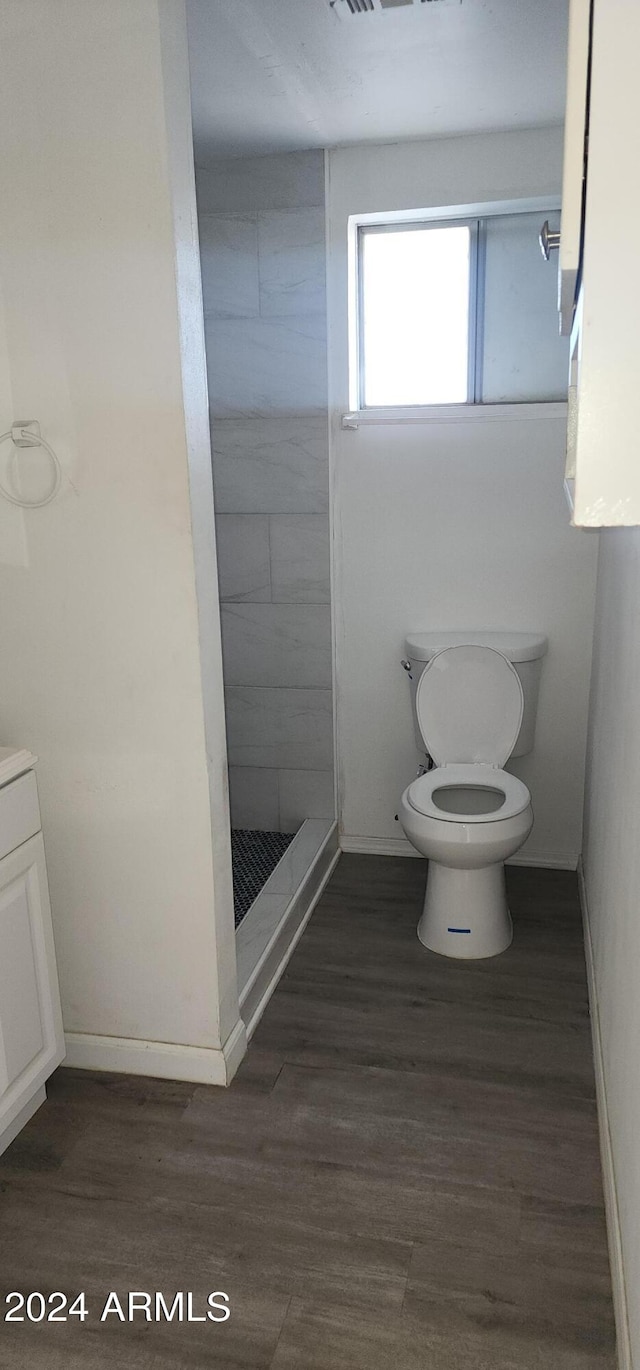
<point x="31" y="1036"/>
<point x="599" y="282"/>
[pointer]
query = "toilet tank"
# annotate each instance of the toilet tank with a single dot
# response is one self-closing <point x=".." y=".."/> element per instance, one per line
<point x="524" y="650"/>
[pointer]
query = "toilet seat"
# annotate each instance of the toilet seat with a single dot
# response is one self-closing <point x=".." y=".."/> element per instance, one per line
<point x="469" y="705"/>
<point x="470" y="776"/>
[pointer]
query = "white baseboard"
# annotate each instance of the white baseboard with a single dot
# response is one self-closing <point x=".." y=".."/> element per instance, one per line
<point x="606" y="1151"/>
<point x="234" y="1050"/>
<point x="399" y="846"/>
<point x="165" y="1060"/>
<point x="378" y="846"/>
<point x="551" y="861"/>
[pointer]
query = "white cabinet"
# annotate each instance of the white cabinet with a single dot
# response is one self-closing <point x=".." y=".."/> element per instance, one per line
<point x="31" y="1037"/>
<point x="603" y="463"/>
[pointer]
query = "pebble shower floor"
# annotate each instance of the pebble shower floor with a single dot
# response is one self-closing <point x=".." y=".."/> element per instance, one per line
<point x="255" y="856"/>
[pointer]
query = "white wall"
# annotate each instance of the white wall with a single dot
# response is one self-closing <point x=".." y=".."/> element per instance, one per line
<point x="450" y="524"/>
<point x="612" y="874"/>
<point x="104" y="672"/>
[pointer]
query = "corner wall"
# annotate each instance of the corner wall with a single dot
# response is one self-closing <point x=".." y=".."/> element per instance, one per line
<point x="450" y="524"/>
<point x="111" y="669"/>
<point x="612" y="875"/>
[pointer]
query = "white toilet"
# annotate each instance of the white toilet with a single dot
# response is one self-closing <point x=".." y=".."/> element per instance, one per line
<point x="475" y="701"/>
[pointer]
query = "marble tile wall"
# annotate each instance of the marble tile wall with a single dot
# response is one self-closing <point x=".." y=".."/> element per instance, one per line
<point x="262" y="237"/>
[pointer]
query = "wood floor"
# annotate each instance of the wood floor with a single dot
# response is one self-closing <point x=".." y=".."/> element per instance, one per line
<point x="403" y="1176"/>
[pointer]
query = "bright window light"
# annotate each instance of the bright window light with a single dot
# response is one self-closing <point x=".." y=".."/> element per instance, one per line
<point x="414" y="324"/>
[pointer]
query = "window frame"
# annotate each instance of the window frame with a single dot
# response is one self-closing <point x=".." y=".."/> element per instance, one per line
<point x="438" y="217"/>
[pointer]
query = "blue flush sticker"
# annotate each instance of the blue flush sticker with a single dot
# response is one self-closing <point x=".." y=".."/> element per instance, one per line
<point x="458" y="929"/>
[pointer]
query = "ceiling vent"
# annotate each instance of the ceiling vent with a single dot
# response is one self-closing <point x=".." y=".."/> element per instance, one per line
<point x="346" y="8"/>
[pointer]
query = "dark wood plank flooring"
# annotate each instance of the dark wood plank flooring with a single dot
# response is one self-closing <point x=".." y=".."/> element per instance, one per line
<point x="403" y="1176"/>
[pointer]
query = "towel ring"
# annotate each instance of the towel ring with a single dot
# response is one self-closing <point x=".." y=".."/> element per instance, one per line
<point x="31" y="439"/>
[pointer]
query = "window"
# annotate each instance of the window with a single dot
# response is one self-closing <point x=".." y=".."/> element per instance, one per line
<point x="457" y="312"/>
<point x="415" y="285"/>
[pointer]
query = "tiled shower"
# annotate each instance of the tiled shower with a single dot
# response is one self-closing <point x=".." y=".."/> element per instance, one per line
<point x="262" y="236"/>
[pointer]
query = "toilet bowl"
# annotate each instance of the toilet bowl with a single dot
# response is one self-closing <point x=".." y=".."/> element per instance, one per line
<point x="467" y="815"/>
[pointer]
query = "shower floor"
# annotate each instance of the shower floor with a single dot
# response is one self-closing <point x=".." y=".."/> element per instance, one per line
<point x="255" y="856"/>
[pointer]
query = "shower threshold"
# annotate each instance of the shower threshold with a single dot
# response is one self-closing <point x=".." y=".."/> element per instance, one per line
<point x="278" y="915"/>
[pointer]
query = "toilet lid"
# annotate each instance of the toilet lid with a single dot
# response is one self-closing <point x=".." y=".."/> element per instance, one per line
<point x="469" y="705"/>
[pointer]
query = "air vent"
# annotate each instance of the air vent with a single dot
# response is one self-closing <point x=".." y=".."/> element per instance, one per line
<point x="343" y="7"/>
<point x="346" y="8"/>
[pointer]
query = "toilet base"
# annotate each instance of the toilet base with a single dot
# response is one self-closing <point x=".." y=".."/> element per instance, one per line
<point x="465" y="912"/>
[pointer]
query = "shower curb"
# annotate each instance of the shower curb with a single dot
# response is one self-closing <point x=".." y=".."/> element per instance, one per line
<point x="264" y="975"/>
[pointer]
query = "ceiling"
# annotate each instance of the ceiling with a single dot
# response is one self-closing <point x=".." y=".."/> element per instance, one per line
<point x="280" y="75"/>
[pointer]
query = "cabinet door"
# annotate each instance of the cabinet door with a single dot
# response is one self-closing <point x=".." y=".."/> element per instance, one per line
<point x="31" y="1038"/>
<point x="607" y="469"/>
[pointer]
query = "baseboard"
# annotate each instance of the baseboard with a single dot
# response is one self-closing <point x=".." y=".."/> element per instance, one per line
<point x="606" y="1151"/>
<point x="399" y="846"/>
<point x="234" y="1050"/>
<point x="164" y="1060"/>
<point x="551" y="861"/>
<point x="258" y="990"/>
<point x="378" y="846"/>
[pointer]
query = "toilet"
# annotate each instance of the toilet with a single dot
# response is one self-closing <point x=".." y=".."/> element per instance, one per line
<point x="475" y="701"/>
